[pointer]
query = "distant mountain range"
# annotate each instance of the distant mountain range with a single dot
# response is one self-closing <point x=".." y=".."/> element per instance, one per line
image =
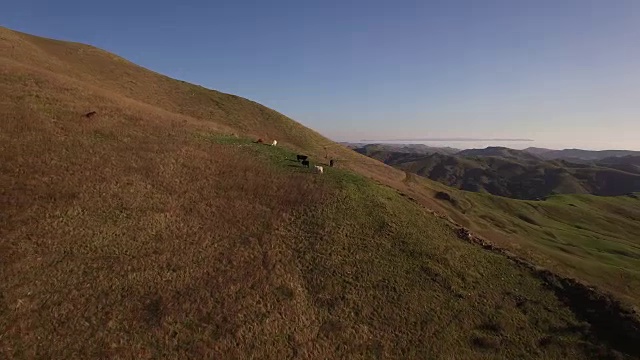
<point x="579" y="154"/>
<point x="500" y="152"/>
<point x="518" y="174"/>
<point x="574" y="155"/>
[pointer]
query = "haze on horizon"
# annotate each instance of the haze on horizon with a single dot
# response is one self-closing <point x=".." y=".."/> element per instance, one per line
<point x="563" y="73"/>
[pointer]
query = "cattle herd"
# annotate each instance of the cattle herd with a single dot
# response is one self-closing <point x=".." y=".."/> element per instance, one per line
<point x="304" y="160"/>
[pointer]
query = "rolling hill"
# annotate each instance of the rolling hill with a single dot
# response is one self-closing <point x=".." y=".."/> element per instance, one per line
<point x="516" y="174"/>
<point x="498" y="151"/>
<point x="536" y="150"/>
<point x="629" y="163"/>
<point x="579" y="154"/>
<point x="159" y="228"/>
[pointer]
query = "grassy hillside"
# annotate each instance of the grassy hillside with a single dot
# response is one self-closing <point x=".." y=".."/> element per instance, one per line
<point x="592" y="238"/>
<point x="81" y="65"/>
<point x="595" y="238"/>
<point x="588" y="237"/>
<point x="159" y="229"/>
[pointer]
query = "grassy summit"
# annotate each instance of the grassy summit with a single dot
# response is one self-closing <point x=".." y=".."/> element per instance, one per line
<point x="157" y="228"/>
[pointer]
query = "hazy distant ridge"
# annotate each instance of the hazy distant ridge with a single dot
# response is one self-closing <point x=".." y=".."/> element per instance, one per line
<point x="515" y="173"/>
<point x="572" y="154"/>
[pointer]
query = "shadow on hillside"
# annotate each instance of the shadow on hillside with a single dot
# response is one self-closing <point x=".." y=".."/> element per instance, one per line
<point x="609" y="319"/>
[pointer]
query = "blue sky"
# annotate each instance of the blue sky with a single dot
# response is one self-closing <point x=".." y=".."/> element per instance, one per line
<point x="565" y="73"/>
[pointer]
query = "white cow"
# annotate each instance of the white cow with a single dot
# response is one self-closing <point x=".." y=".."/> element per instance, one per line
<point x="319" y="169"/>
<point x="274" y="143"/>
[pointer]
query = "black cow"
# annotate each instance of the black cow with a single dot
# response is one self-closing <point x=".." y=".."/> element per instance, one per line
<point x="305" y="163"/>
<point x="301" y="157"/>
<point x="331" y="162"/>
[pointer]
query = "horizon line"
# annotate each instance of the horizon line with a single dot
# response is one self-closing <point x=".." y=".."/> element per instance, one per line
<point x="452" y="139"/>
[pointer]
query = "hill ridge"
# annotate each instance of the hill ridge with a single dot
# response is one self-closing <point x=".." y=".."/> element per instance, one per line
<point x="516" y="174"/>
<point x="579" y="154"/>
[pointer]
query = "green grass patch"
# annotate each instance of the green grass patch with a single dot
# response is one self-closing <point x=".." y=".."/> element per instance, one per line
<point x="576" y="231"/>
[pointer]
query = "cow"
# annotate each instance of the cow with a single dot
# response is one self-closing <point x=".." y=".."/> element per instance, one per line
<point x="274" y="143"/>
<point x="305" y="163"/>
<point x="319" y="169"/>
<point x="331" y="162"/>
<point x="259" y="141"/>
<point x="301" y="157"/>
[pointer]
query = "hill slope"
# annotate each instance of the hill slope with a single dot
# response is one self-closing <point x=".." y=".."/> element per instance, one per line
<point x="629" y="163"/>
<point x="498" y="151"/>
<point x="584" y="236"/>
<point x="579" y="154"/>
<point x="515" y="174"/>
<point x="157" y="228"/>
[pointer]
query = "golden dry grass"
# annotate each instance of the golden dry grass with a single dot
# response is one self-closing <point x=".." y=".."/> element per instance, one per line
<point x="148" y="231"/>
